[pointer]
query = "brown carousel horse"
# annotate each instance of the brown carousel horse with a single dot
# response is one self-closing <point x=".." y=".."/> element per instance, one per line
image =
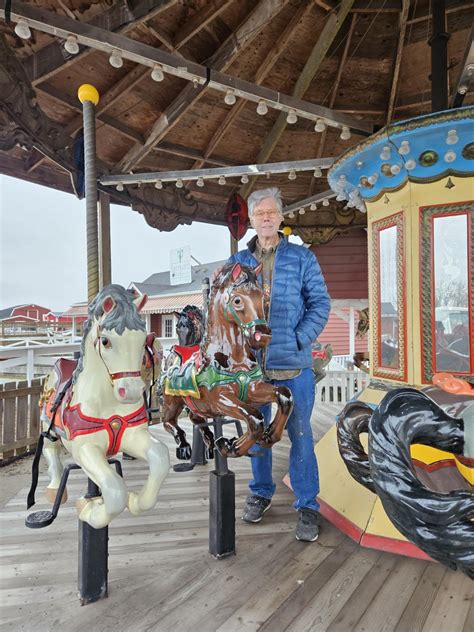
<point x="223" y="378"/>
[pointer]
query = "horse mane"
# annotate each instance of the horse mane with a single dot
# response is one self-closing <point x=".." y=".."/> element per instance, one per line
<point x="124" y="316"/>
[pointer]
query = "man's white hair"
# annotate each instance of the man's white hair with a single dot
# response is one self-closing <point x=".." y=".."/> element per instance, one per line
<point x="262" y="194"/>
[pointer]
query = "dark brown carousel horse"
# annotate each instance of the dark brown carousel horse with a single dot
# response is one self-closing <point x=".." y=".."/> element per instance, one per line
<point x="223" y="378"/>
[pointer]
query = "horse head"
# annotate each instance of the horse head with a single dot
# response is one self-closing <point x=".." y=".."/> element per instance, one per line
<point x="239" y="299"/>
<point x="190" y="326"/>
<point x="114" y="343"/>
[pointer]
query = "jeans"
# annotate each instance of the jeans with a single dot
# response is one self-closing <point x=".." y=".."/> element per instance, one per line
<point x="303" y="470"/>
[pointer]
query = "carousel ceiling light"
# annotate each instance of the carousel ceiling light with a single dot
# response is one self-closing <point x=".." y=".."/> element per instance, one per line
<point x="317" y="173"/>
<point x="119" y="186"/>
<point x="22" y="29"/>
<point x="157" y="73"/>
<point x="404" y="148"/>
<point x="230" y="97"/>
<point x="291" y="118"/>
<point x="302" y="211"/>
<point x="158" y="184"/>
<point x="373" y="179"/>
<point x="179" y="183"/>
<point x="452" y="137"/>
<point x="410" y="164"/>
<point x="222" y="180"/>
<point x="385" y="155"/>
<point x="244" y="179"/>
<point x="395" y="169"/>
<point x="312" y="207"/>
<point x="291" y="215"/>
<point x="346" y="133"/>
<point x="292" y="175"/>
<point x="71" y="45"/>
<point x="320" y="125"/>
<point x="325" y="202"/>
<point x="115" y="58"/>
<point x="450" y="156"/>
<point x="200" y="182"/>
<point x="262" y="108"/>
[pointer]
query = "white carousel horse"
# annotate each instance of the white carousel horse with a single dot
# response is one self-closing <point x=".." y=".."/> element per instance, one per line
<point x="103" y="411"/>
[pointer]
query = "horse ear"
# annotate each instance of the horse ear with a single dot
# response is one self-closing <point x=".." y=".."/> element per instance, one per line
<point x="108" y="305"/>
<point x="236" y="271"/>
<point x="258" y="269"/>
<point x="140" y="301"/>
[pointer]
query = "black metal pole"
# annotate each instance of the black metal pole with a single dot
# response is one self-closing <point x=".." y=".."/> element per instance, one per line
<point x="221" y="504"/>
<point x="439" y="57"/>
<point x="93" y="557"/>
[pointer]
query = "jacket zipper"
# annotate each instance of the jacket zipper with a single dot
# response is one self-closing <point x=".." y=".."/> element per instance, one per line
<point x="269" y="310"/>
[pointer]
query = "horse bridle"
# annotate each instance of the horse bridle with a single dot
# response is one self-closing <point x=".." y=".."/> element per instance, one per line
<point x="244" y="327"/>
<point x="119" y="374"/>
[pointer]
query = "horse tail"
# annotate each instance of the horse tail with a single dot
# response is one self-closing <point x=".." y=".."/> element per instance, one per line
<point x="352" y="421"/>
<point x="439" y="523"/>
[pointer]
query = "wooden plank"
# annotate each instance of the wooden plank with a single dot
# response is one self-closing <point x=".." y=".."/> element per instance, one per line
<point x="220" y="60"/>
<point x="9" y="420"/>
<point x="20" y="392"/>
<point x="22" y="419"/>
<point x="398" y="60"/>
<point x="331" y="28"/>
<point x="469" y="623"/>
<point x="451" y="604"/>
<point x="390" y="602"/>
<point x="422" y="600"/>
<point x="199" y="20"/>
<point x="34" y="418"/>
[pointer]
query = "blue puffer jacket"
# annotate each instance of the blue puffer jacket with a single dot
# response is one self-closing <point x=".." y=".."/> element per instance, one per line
<point x="299" y="305"/>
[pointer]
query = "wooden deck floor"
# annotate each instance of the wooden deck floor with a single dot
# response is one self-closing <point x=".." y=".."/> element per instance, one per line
<point x="162" y="578"/>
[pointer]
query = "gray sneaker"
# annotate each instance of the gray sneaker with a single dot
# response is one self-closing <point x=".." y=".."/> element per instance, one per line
<point x="255" y="507"/>
<point x="307" y="529"/>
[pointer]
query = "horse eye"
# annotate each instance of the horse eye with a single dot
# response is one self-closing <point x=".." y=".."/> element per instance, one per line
<point x="237" y="300"/>
<point x="105" y="342"/>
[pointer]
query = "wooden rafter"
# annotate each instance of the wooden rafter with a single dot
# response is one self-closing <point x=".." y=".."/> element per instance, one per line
<point x="398" y="60"/>
<point x="260" y="76"/>
<point x="222" y="58"/>
<point x="200" y="20"/>
<point x="120" y="18"/>
<point x="452" y="6"/>
<point x="333" y="23"/>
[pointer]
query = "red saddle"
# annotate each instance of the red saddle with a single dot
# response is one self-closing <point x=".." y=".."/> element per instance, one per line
<point x="64" y="369"/>
<point x="188" y="352"/>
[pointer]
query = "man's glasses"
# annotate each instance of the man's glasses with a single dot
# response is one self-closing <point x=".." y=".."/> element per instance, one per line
<point x="271" y="213"/>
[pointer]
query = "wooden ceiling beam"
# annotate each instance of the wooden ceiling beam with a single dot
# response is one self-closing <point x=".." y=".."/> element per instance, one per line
<point x="222" y="58"/>
<point x="260" y="76"/>
<point x="398" y="60"/>
<point x="191" y="154"/>
<point x="452" y="6"/>
<point x="364" y="6"/>
<point x="122" y="17"/>
<point x="200" y="20"/>
<point x="331" y="28"/>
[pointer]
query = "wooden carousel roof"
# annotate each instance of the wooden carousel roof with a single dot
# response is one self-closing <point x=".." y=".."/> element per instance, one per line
<point x="366" y="61"/>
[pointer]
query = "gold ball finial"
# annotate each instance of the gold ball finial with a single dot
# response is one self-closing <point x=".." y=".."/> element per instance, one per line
<point x="87" y="92"/>
<point x="287" y="230"/>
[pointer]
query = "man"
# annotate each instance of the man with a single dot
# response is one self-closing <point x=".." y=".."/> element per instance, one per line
<point x="297" y="307"/>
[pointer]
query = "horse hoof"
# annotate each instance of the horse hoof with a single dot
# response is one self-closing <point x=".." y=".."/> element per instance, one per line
<point x="183" y="453"/>
<point x="52" y="492"/>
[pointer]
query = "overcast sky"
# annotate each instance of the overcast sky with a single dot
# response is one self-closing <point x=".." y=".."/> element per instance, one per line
<point x="43" y="245"/>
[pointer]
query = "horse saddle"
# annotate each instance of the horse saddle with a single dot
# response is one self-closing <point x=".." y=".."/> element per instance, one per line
<point x="64" y="368"/>
<point x="181" y="378"/>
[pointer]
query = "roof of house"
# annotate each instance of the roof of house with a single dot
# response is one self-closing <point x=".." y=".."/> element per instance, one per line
<point x="7" y="312"/>
<point x="158" y="284"/>
<point x="169" y="303"/>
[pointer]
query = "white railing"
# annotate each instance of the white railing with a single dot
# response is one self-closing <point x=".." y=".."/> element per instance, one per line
<point x="33" y="356"/>
<point x="339" y="387"/>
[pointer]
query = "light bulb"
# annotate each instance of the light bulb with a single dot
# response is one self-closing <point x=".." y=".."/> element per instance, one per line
<point x="317" y="172"/>
<point x="395" y="169"/>
<point x="404" y="148"/>
<point x="373" y="179"/>
<point x="385" y="155"/>
<point x="158" y="184"/>
<point x="291" y="118"/>
<point x="262" y="108"/>
<point x="312" y="207"/>
<point x="230" y="98"/>
<point x="325" y="202"/>
<point x="346" y="133"/>
<point x="410" y="164"/>
<point x="115" y="58"/>
<point x="221" y="180"/>
<point x="320" y="125"/>
<point x="157" y="73"/>
<point x="22" y="29"/>
<point x="291" y="215"/>
<point x="179" y="183"/>
<point x="71" y="45"/>
<point x="302" y="211"/>
<point x="119" y="186"/>
<point x="452" y="137"/>
<point x="244" y="179"/>
<point x="200" y="182"/>
<point x="292" y="175"/>
<point x="449" y="156"/>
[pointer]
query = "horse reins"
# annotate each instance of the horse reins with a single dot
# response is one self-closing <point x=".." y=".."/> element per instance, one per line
<point x="119" y="374"/>
<point x="244" y="327"/>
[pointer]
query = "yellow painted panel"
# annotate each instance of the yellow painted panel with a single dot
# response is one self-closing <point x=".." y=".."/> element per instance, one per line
<point x="427" y="454"/>
<point x="380" y="524"/>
